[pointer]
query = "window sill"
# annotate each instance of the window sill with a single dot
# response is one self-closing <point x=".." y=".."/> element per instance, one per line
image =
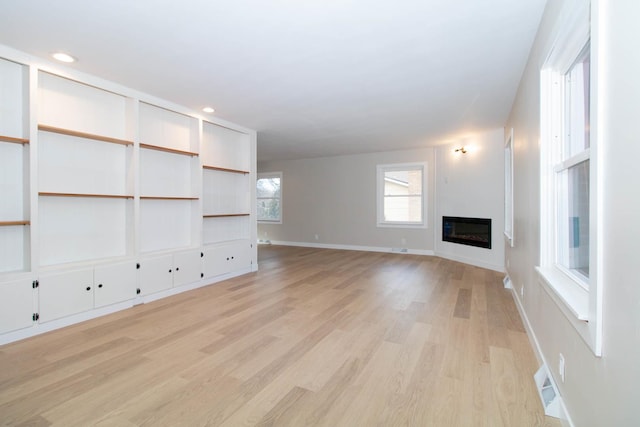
<point x="572" y="299"/>
<point x="400" y="225"/>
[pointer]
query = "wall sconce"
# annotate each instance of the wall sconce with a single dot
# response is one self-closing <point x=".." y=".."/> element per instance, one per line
<point x="461" y="150"/>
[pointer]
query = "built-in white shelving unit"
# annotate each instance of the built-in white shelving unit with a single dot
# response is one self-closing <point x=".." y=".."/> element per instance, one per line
<point x="16" y="293"/>
<point x="169" y="190"/>
<point x="85" y="187"/>
<point x="227" y="194"/>
<point x="14" y="168"/>
<point x="111" y="197"/>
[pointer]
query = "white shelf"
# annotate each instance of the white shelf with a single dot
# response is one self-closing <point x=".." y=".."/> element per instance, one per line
<point x="225" y="229"/>
<point x="166" y="174"/>
<point x="70" y="164"/>
<point x="225" y="193"/>
<point x="14" y="169"/>
<point x="73" y="229"/>
<point x="67" y="104"/>
<point x="225" y="148"/>
<point x="162" y="128"/>
<point x="166" y="224"/>
<point x="13" y="102"/>
<point x="14" y="248"/>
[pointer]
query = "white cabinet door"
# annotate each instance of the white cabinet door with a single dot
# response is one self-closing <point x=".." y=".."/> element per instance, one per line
<point x="115" y="283"/>
<point x="240" y="255"/>
<point x="156" y="274"/>
<point x="16" y="305"/>
<point x="226" y="258"/>
<point x="216" y="261"/>
<point x="64" y="294"/>
<point x="187" y="267"/>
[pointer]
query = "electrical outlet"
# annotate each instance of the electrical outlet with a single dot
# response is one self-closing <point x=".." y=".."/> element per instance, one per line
<point x="317" y="237"/>
<point x="561" y="366"/>
<point x="508" y="262"/>
<point x="403" y="241"/>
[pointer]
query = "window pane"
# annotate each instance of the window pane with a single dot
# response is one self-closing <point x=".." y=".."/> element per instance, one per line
<point x="404" y="182"/>
<point x="403" y="208"/>
<point x="268" y="187"/>
<point x="577" y="106"/>
<point x="268" y="209"/>
<point x="573" y="218"/>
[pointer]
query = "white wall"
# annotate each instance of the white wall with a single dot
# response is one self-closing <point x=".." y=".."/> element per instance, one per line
<point x="472" y="185"/>
<point x="597" y="391"/>
<point x="335" y="198"/>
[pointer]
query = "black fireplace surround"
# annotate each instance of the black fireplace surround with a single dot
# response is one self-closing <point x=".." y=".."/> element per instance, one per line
<point x="467" y="231"/>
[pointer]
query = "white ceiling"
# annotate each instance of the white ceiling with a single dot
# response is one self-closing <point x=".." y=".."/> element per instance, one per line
<point x="313" y="77"/>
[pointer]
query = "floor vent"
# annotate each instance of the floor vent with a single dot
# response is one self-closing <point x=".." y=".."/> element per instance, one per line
<point x="400" y="250"/>
<point x="551" y="400"/>
<point x="507" y="282"/>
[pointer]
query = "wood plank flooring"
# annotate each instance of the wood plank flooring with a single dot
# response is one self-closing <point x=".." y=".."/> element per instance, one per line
<point x="315" y="338"/>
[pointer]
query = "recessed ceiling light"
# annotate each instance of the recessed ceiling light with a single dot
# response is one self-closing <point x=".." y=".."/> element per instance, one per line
<point x="63" y="57"/>
<point x="208" y="110"/>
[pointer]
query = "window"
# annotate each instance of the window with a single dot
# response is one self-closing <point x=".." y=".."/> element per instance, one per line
<point x="572" y="173"/>
<point x="568" y="152"/>
<point x="400" y="198"/>
<point x="508" y="188"/>
<point x="269" y="193"/>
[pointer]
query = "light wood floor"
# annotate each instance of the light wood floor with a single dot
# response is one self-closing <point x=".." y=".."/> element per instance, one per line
<point x="316" y="337"/>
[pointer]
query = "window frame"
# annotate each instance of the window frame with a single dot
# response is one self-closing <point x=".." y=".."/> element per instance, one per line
<point x="267" y="175"/>
<point x="581" y="305"/>
<point x="508" y="189"/>
<point x="380" y="196"/>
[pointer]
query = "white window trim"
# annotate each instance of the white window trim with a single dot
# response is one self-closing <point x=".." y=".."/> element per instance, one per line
<point x="581" y="306"/>
<point x="508" y="189"/>
<point x="380" y="169"/>
<point x="273" y="175"/>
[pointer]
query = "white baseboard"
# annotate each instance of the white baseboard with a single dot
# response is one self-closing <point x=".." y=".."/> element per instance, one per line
<point x="354" y="247"/>
<point x="471" y="261"/>
<point x="565" y="418"/>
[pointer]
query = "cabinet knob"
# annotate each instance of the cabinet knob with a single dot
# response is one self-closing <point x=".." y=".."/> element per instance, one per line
<point x="201" y="275"/>
<point x="232" y="257"/>
<point x="138" y="291"/>
<point x="88" y="288"/>
<point x="170" y="271"/>
<point x="137" y="266"/>
<point x="100" y="285"/>
<point x="177" y="268"/>
<point x="227" y="258"/>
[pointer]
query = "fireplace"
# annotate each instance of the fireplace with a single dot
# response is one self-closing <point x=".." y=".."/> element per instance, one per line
<point x="467" y="231"/>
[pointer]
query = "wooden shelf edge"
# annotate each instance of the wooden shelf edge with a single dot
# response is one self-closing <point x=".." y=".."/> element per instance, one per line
<point x="12" y="223"/>
<point x="69" y="132"/>
<point x="13" y="140"/>
<point x="225" y="215"/>
<point x="168" y="150"/>
<point x="100" y="196"/>
<point x="167" y="198"/>
<point x="215" y="168"/>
